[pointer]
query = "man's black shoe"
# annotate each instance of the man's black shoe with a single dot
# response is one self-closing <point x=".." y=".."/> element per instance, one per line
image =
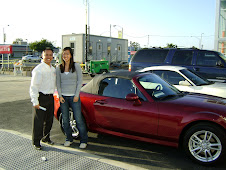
<point x="48" y="141"/>
<point x="38" y="147"/>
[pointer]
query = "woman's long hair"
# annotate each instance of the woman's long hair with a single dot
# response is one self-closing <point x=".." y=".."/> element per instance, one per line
<point x="71" y="65"/>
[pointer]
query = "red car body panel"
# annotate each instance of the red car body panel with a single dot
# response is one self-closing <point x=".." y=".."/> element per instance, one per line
<point x="160" y="122"/>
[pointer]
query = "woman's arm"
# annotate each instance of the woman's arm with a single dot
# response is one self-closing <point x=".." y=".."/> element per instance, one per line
<point x="79" y="79"/>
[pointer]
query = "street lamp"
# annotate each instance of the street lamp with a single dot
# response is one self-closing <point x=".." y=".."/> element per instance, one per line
<point x="200" y="40"/>
<point x="4" y="35"/>
<point x="120" y="27"/>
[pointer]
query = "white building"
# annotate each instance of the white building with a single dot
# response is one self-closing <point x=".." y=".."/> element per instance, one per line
<point x="220" y="27"/>
<point x="99" y="47"/>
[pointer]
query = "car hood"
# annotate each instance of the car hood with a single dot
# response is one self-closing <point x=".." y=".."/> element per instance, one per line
<point x="217" y="85"/>
<point x="216" y="89"/>
<point x="203" y="102"/>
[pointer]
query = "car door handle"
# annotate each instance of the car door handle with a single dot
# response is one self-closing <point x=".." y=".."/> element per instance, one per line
<point x="101" y="101"/>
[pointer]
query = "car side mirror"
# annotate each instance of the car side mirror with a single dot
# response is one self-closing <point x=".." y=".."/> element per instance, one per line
<point x="184" y="83"/>
<point x="133" y="97"/>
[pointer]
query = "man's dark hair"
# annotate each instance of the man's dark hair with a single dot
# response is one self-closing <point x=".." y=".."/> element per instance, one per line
<point x="48" y="48"/>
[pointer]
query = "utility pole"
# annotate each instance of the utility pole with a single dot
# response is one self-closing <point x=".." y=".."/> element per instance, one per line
<point x="87" y="32"/>
<point x="110" y="30"/>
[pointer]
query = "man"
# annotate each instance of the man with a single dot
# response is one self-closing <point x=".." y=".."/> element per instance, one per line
<point x="41" y="92"/>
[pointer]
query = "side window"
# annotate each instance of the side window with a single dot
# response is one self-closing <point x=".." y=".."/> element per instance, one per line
<point x="118" y="88"/>
<point x="152" y="56"/>
<point x="182" y="57"/>
<point x="207" y="58"/>
<point x="170" y="76"/>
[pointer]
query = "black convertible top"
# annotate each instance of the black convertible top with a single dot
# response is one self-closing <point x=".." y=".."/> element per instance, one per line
<point x="93" y="86"/>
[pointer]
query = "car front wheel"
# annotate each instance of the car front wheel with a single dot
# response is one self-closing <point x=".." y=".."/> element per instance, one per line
<point x="205" y="143"/>
<point x="75" y="131"/>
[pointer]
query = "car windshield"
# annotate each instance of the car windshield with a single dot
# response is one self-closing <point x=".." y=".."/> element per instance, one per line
<point x="198" y="81"/>
<point x="157" y="88"/>
<point x="222" y="56"/>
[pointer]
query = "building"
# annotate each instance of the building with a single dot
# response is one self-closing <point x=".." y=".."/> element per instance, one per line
<point x="220" y="27"/>
<point x="99" y="47"/>
<point x="16" y="50"/>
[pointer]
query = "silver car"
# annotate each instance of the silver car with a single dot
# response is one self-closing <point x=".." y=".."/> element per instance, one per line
<point x="31" y="58"/>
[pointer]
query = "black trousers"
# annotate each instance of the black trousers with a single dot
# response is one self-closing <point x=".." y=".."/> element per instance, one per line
<point x="43" y="120"/>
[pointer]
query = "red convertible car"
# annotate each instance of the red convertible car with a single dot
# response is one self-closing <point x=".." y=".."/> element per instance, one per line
<point x="142" y="106"/>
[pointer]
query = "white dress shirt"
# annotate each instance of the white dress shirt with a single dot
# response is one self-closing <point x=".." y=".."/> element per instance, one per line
<point x="43" y="80"/>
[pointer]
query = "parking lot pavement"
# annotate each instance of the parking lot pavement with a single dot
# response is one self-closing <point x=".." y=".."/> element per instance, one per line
<point x="17" y="151"/>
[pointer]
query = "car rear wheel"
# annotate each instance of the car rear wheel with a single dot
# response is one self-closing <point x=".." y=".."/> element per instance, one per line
<point x="75" y="131"/>
<point x="205" y="143"/>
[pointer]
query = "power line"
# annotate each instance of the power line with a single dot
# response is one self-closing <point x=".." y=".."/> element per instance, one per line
<point x="167" y="36"/>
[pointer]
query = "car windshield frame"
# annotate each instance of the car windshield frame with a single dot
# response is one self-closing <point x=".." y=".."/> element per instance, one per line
<point x="197" y="80"/>
<point x="157" y="88"/>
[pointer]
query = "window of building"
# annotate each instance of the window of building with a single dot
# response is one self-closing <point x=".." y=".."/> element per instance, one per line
<point x="109" y="49"/>
<point x="182" y="57"/>
<point x="72" y="45"/>
<point x="90" y="48"/>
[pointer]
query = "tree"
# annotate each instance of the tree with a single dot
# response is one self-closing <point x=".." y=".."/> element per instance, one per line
<point x="17" y="41"/>
<point x="136" y="45"/>
<point x="171" y="45"/>
<point x="40" y="45"/>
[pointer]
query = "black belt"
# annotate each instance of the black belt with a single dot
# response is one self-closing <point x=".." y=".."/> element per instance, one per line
<point x="40" y="93"/>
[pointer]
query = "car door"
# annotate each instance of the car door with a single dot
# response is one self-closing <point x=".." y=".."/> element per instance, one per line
<point x="113" y="112"/>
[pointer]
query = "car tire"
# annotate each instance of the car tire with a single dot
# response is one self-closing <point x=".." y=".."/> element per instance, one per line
<point x="75" y="131"/>
<point x="205" y="143"/>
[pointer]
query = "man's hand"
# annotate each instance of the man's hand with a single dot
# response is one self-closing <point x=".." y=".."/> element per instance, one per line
<point x="36" y="106"/>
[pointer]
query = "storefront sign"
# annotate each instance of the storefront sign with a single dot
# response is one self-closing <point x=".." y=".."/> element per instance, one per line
<point x="5" y="49"/>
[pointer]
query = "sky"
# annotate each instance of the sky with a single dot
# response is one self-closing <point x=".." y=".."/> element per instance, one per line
<point x="151" y="23"/>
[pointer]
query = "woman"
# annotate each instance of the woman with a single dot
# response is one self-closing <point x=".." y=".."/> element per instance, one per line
<point x="69" y="82"/>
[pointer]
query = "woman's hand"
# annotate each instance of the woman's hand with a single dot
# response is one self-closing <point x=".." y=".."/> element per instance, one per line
<point x="75" y="99"/>
<point x="62" y="100"/>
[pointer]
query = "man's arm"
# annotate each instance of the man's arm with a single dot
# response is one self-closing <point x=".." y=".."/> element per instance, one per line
<point x="34" y="87"/>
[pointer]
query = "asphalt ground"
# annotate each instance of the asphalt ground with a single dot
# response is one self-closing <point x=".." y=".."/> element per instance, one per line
<point x="16" y="119"/>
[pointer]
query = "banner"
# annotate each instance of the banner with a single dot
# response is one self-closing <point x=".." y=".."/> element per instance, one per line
<point x="6" y="49"/>
<point x="120" y="34"/>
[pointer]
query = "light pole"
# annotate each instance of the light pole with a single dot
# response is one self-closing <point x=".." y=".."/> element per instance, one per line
<point x="200" y="40"/>
<point x="4" y="35"/>
<point x="120" y="27"/>
<point x="200" y="45"/>
<point x="26" y="47"/>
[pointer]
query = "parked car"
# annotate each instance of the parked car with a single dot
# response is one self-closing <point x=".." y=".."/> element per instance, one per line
<point x="31" y="58"/>
<point x="185" y="80"/>
<point x="120" y="64"/>
<point x="144" y="107"/>
<point x="206" y="63"/>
